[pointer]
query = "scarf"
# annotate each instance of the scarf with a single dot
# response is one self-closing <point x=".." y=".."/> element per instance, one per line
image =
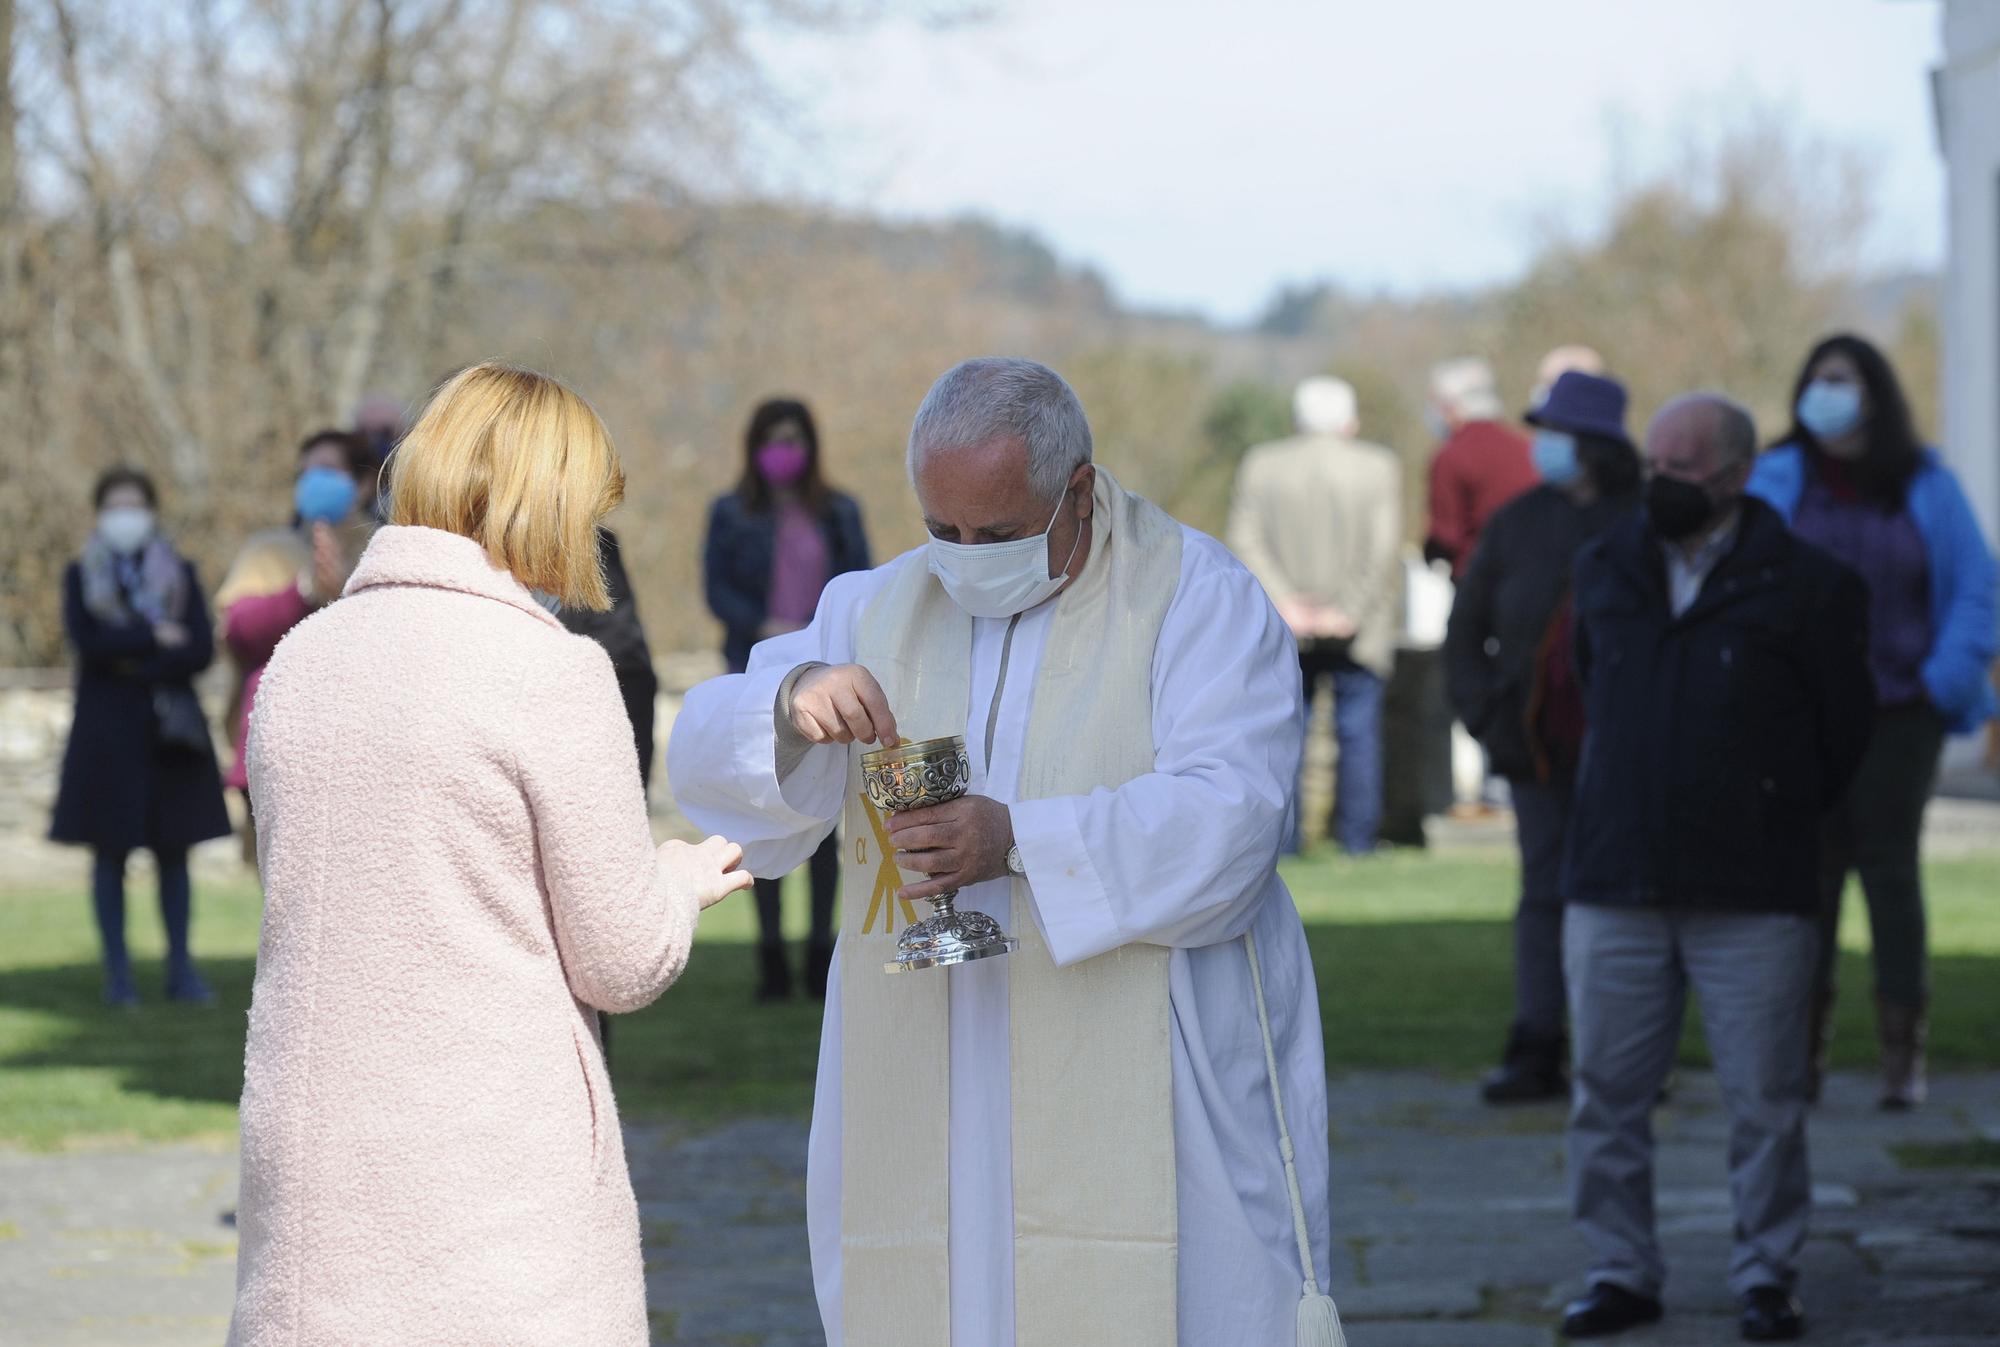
<point x="150" y="585"/>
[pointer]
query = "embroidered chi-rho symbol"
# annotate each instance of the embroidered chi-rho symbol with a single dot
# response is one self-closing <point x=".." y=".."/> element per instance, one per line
<point x="887" y="877"/>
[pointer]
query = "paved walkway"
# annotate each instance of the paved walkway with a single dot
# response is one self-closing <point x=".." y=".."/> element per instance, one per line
<point x="1449" y="1224"/>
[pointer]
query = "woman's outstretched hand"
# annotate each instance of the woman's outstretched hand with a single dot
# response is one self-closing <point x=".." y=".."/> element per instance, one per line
<point x="709" y="867"/>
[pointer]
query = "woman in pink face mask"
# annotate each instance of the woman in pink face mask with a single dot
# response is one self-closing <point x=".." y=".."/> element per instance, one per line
<point x="773" y="543"/>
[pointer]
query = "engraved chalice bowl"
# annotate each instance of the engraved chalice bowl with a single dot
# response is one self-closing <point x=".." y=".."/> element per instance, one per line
<point x="915" y="776"/>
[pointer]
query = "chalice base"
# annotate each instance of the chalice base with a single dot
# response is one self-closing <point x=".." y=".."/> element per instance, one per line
<point x="947" y="938"/>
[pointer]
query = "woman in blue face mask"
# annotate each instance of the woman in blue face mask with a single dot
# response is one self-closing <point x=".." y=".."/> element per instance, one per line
<point x="282" y="575"/>
<point x="1853" y="478"/>
<point x="140" y="769"/>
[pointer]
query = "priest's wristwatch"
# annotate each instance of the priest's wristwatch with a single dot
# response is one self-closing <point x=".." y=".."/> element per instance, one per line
<point x="1015" y="865"/>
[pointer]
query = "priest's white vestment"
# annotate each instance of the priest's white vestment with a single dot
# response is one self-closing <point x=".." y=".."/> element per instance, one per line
<point x="1184" y="857"/>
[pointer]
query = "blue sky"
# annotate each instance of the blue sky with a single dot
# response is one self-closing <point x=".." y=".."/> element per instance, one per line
<point x="1201" y="152"/>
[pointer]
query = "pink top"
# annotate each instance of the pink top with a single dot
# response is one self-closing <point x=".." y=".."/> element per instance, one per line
<point x="252" y="628"/>
<point x="798" y="567"/>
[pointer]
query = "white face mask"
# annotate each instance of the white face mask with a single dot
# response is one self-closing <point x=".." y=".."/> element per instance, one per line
<point x="125" y="528"/>
<point x="1001" y="579"/>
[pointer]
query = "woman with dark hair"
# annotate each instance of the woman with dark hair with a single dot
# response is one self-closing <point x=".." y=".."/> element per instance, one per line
<point x="1507" y="667"/>
<point x="140" y="767"/>
<point x="281" y="576"/>
<point x="773" y="543"/>
<point x="1852" y="477"/>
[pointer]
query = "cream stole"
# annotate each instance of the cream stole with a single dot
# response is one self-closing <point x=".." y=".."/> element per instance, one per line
<point x="1095" y="1221"/>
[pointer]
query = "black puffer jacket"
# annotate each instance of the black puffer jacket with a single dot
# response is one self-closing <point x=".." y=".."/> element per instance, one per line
<point x="1717" y="739"/>
<point x="1506" y="600"/>
<point x="623" y="637"/>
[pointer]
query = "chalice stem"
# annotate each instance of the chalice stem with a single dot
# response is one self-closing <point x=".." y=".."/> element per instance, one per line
<point x="945" y="904"/>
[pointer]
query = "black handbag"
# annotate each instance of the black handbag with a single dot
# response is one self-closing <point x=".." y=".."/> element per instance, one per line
<point x="179" y="719"/>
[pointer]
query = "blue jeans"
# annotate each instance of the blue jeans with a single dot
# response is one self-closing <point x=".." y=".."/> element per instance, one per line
<point x="1357" y="730"/>
<point x="176" y="902"/>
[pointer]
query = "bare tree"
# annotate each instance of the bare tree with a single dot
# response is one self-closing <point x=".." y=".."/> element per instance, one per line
<point x="242" y="214"/>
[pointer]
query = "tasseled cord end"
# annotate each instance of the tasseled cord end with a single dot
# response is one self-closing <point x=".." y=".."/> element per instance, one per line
<point x="1319" y="1321"/>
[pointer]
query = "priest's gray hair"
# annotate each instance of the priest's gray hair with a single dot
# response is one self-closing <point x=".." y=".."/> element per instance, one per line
<point x="977" y="401"/>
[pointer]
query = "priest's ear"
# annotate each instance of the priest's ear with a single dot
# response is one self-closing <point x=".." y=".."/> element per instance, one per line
<point x="1082" y="489"/>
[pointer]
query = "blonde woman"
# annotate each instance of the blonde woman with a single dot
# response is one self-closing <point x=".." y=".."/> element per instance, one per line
<point x="457" y="869"/>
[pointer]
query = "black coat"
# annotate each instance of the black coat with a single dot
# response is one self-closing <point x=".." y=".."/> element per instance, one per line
<point x="1506" y="600"/>
<point x="736" y="564"/>
<point x="623" y="637"/>
<point x="1717" y="739"/>
<point x="120" y="790"/>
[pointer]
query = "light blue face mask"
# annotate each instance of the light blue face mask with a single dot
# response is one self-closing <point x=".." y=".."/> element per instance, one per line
<point x="1829" y="409"/>
<point x="1554" y="453"/>
<point x="324" y="495"/>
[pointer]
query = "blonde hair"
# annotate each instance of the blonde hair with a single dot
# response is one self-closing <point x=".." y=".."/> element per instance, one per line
<point x="520" y="464"/>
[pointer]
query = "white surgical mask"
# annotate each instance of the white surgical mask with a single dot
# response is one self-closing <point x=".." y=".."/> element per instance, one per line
<point x="125" y="528"/>
<point x="1001" y="579"/>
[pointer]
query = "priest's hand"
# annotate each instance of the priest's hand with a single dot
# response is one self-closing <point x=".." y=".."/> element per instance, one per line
<point x="842" y="704"/>
<point x="958" y="843"/>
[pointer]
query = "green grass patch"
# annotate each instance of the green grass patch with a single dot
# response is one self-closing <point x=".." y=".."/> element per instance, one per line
<point x="1979" y="1154"/>
<point x="1413" y="954"/>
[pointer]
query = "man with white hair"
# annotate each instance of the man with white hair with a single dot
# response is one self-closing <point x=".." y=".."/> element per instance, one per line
<point x="1480" y="465"/>
<point x="1115" y="1135"/>
<point x="1318" y="519"/>
<point x="1558" y="362"/>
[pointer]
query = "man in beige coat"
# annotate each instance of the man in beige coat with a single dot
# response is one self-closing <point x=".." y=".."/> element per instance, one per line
<point x="1318" y="519"/>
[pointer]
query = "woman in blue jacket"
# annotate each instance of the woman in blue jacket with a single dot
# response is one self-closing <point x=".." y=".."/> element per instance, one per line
<point x="1852" y="477"/>
<point x="773" y="543"/>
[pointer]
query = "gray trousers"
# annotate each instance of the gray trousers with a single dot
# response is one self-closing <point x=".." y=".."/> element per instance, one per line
<point x="1629" y="973"/>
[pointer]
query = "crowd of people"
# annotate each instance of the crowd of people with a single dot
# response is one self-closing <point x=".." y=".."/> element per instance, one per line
<point x="1715" y="682"/>
<point x="1710" y="683"/>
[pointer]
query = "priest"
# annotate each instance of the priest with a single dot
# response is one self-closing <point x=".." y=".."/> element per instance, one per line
<point x="1117" y="1134"/>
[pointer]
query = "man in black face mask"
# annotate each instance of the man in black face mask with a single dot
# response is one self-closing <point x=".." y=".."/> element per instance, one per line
<point x="1725" y="676"/>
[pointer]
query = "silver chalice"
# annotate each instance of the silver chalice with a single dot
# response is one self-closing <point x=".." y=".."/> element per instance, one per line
<point x="916" y="776"/>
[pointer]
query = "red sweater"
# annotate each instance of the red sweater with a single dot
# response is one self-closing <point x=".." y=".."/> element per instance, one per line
<point x="1479" y="469"/>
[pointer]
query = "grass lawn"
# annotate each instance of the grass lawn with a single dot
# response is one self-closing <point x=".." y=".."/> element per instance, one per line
<point x="1413" y="954"/>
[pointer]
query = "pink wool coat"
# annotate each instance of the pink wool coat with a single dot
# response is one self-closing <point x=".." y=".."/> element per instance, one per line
<point x="457" y="865"/>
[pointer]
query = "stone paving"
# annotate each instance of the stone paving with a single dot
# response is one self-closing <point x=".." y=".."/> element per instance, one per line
<point x="1449" y="1223"/>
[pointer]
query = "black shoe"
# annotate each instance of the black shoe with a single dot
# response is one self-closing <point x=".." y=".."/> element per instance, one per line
<point x="1607" y="1308"/>
<point x="1772" y="1314"/>
<point x="819" y="958"/>
<point x="1522" y="1083"/>
<point x="188" y="988"/>
<point x="774" y="976"/>
<point x="1530" y="1072"/>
